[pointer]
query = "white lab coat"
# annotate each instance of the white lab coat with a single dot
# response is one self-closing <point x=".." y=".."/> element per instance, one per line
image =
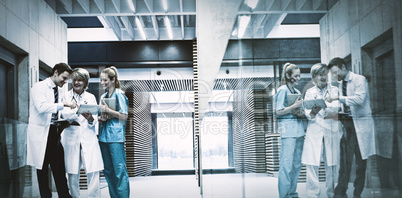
<point x="41" y="108"/>
<point x="358" y="99"/>
<point x="319" y="128"/>
<point x="84" y="135"/>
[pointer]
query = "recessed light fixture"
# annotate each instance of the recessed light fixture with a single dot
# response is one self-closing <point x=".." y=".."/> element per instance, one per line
<point x="139" y="26"/>
<point x="169" y="27"/>
<point x="164" y="4"/>
<point x="251" y="3"/>
<point x="244" y="20"/>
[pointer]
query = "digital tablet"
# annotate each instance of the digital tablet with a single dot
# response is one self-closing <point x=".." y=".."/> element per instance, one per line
<point x="94" y="109"/>
<point x="111" y="102"/>
<point x="291" y="98"/>
<point x="308" y="104"/>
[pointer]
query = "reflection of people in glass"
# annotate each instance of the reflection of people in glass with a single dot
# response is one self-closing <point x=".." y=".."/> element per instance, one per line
<point x="43" y="134"/>
<point x="112" y="134"/>
<point x="80" y="143"/>
<point x="292" y="132"/>
<point x="322" y="135"/>
<point x="359" y="138"/>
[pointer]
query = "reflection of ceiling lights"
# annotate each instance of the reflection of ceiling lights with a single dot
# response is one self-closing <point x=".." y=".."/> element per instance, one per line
<point x="139" y="25"/>
<point x="169" y="27"/>
<point x="131" y="5"/>
<point x="251" y="3"/>
<point x="164" y="4"/>
<point x="244" y="20"/>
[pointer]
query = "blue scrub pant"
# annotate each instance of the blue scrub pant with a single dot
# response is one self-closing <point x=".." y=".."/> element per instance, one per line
<point x="114" y="160"/>
<point x="290" y="166"/>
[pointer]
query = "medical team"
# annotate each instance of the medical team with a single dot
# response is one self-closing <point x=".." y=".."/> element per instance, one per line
<point x="335" y="135"/>
<point x="68" y="148"/>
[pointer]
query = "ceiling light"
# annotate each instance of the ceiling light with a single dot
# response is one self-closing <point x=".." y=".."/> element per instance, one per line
<point x="244" y="20"/>
<point x="164" y="4"/>
<point x="131" y="5"/>
<point x="252" y="3"/>
<point x="169" y="27"/>
<point x="139" y="25"/>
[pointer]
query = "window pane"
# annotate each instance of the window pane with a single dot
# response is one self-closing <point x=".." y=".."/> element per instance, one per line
<point x="175" y="143"/>
<point x="214" y="142"/>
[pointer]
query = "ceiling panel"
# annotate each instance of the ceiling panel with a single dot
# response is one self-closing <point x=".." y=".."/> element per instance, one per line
<point x="115" y="15"/>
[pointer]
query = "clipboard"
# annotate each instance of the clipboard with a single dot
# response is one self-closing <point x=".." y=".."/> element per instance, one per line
<point x="291" y="98"/>
<point x="111" y="102"/>
<point x="94" y="109"/>
<point x="308" y="104"/>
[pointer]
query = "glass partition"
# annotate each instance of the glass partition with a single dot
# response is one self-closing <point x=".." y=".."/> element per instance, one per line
<point x="16" y="178"/>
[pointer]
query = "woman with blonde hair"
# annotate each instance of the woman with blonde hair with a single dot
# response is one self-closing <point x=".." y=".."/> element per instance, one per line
<point x="112" y="134"/>
<point x="81" y="147"/>
<point x="291" y="129"/>
<point x="323" y="134"/>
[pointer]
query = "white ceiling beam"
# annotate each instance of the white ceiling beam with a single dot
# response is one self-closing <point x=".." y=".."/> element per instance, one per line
<point x="101" y="5"/>
<point x="112" y="23"/>
<point x="116" y="4"/>
<point x="281" y="12"/>
<point x="257" y="23"/>
<point x="129" y="27"/>
<point x="285" y="4"/>
<point x="304" y="5"/>
<point x="181" y="5"/>
<point x="84" y="4"/>
<point x="268" y="4"/>
<point x="182" y="26"/>
<point x="155" y="27"/>
<point x="319" y="4"/>
<point x="133" y="5"/>
<point x="68" y="5"/>
<point x="150" y="5"/>
<point x="145" y="37"/>
<point x="288" y="5"/>
<point x="273" y="20"/>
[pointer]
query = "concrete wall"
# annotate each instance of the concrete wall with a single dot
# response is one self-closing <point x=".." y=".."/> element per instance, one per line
<point x="32" y="30"/>
<point x="34" y="33"/>
<point x="352" y="24"/>
<point x="355" y="27"/>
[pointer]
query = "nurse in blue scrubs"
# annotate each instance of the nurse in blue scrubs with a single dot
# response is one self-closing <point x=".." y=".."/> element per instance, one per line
<point x="291" y="129"/>
<point x="112" y="134"/>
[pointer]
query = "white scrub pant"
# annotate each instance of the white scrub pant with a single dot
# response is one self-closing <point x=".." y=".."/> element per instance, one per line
<point x="313" y="183"/>
<point x="92" y="182"/>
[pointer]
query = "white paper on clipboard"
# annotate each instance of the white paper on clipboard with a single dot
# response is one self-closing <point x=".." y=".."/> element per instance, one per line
<point x="94" y="109"/>
<point x="308" y="104"/>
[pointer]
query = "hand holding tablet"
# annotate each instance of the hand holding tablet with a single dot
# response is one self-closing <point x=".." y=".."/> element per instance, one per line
<point x="93" y="109"/>
<point x="308" y="104"/>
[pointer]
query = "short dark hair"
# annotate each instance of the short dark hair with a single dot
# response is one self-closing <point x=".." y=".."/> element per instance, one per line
<point x="336" y="62"/>
<point x="61" y="68"/>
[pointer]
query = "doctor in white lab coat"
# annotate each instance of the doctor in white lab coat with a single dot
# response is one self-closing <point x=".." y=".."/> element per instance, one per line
<point x="359" y="139"/>
<point x="81" y="147"/>
<point x="43" y="134"/>
<point x="323" y="134"/>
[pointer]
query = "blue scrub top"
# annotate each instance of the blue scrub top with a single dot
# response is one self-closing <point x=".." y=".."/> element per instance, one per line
<point x="114" y="130"/>
<point x="289" y="125"/>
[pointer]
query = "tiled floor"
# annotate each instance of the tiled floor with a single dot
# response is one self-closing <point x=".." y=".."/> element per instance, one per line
<point x="220" y="186"/>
